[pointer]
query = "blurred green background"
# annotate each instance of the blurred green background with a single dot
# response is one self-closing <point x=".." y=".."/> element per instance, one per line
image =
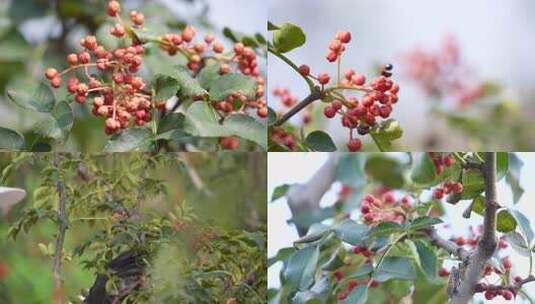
<point x="226" y="190"/>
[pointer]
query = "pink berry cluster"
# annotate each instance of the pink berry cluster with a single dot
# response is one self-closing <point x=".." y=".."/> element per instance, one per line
<point x="385" y="208"/>
<point x="441" y="161"/>
<point x="289" y="100"/>
<point x="283" y="138"/>
<point x="442" y="73"/>
<point x="122" y="99"/>
<point x="242" y="58"/>
<point x="505" y="271"/>
<point x="377" y="99"/>
<point x="352" y="284"/>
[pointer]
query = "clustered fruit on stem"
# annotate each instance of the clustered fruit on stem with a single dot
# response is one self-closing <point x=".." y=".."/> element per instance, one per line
<point x="442" y="73"/>
<point x="440" y="161"/>
<point x="124" y="98"/>
<point x="358" y="113"/>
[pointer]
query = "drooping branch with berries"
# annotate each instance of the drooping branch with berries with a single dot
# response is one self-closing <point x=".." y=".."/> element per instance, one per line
<point x="201" y="94"/>
<point x="386" y="236"/>
<point x="363" y="106"/>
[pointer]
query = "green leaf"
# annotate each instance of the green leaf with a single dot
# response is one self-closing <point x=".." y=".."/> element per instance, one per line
<point x="423" y="172"/>
<point x="513" y="177"/>
<point x="209" y="74"/>
<point x="287" y="37"/>
<point x="58" y="123"/>
<point x="42" y="99"/>
<point x="13" y="47"/>
<point x="165" y="87"/>
<point x="395" y="268"/>
<point x="518" y="243"/>
<point x="385" y="132"/>
<point x="525" y="226"/>
<point x="385" y="229"/>
<point x="351" y="232"/>
<point x="423" y="222"/>
<point x="301" y="267"/>
<point x="473" y="183"/>
<point x="359" y="295"/>
<point x="502" y="164"/>
<point x="320" y="141"/>
<point x="279" y="192"/>
<point x="281" y="255"/>
<point x="505" y="221"/>
<point x="272" y="27"/>
<point x="350" y="169"/>
<point x="363" y="270"/>
<point x="318" y="293"/>
<point x="229" y="84"/>
<point x="201" y="121"/>
<point x="20" y="10"/>
<point x="11" y="140"/>
<point x="134" y="139"/>
<point x="386" y="170"/>
<point x="189" y="86"/>
<point x="427" y="258"/>
<point x="170" y="122"/>
<point x="272" y="117"/>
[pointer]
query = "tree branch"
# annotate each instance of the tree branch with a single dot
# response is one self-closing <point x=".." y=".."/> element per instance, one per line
<point x="60" y="238"/>
<point x="448" y="245"/>
<point x="313" y="96"/>
<point x="487" y="244"/>
<point x="307" y="196"/>
<point x="511" y="287"/>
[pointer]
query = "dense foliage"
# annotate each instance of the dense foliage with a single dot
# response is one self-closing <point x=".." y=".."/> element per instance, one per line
<point x="83" y="211"/>
<point x="154" y="84"/>
<point x="381" y="241"/>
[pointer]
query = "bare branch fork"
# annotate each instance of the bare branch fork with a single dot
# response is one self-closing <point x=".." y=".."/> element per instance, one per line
<point x="313" y="96"/>
<point x="60" y="238"/>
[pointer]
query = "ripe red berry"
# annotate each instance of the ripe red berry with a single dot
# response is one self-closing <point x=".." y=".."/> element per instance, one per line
<point x="449" y="160"/>
<point x="374" y="283"/>
<point x="438" y="193"/>
<point x="331" y="56"/>
<point x="4" y="270"/>
<point x="55" y="82"/>
<point x="262" y="112"/>
<point x="329" y="111"/>
<point x="358" y="79"/>
<point x="443" y="272"/>
<point x="489" y="295"/>
<point x="338" y="275"/>
<point x="218" y="47"/>
<point x="344" y="37"/>
<point x="72" y="59"/>
<point x="460" y="241"/>
<point x="324" y="78"/>
<point x="304" y="70"/>
<point x="84" y="57"/>
<point x="506" y="294"/>
<point x="51" y="73"/>
<point x="507" y="263"/>
<point x="354" y="145"/>
<point x="113" y="8"/>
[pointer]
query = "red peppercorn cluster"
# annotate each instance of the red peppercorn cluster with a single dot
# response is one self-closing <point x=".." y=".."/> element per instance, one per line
<point x="242" y="58"/>
<point x="386" y="208"/>
<point x="490" y="291"/>
<point x="352" y="284"/>
<point x="229" y="143"/>
<point x="442" y="73"/>
<point x="283" y="138"/>
<point x="441" y="160"/>
<point x="289" y="100"/>
<point x="123" y="100"/>
<point x="357" y="113"/>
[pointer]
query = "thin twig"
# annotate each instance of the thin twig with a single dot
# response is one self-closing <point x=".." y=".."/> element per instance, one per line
<point x="313" y="96"/>
<point x="60" y="238"/>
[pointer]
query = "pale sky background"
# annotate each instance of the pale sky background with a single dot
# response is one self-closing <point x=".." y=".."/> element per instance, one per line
<point x="497" y="39"/>
<point x="287" y="168"/>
